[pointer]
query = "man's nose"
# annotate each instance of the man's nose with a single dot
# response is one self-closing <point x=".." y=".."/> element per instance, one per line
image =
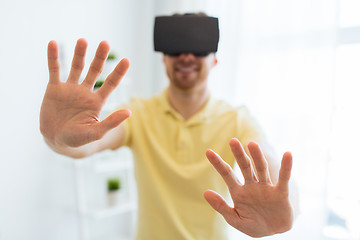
<point x="187" y="57"/>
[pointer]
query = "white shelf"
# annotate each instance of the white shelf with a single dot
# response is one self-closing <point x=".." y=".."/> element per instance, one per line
<point x="90" y="174"/>
<point x="104" y="165"/>
<point x="112" y="166"/>
<point x="98" y="213"/>
<point x="114" y="238"/>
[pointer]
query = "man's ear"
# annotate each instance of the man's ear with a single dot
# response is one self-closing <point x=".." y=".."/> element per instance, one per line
<point x="215" y="60"/>
<point x="163" y="58"/>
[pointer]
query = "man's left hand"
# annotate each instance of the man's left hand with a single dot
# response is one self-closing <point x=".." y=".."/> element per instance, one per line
<point x="260" y="207"/>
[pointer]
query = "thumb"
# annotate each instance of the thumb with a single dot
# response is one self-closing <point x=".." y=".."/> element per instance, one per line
<point x="217" y="203"/>
<point x="113" y="120"/>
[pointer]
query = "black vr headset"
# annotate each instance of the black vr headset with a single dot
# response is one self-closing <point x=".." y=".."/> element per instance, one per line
<point x="174" y="35"/>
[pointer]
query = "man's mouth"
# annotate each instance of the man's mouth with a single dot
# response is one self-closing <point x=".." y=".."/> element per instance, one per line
<point x="186" y="69"/>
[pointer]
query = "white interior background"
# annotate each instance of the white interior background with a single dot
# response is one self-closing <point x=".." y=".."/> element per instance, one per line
<point x="294" y="63"/>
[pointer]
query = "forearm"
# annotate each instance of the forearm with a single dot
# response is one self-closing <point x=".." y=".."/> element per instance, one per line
<point x="74" y="152"/>
<point x="111" y="140"/>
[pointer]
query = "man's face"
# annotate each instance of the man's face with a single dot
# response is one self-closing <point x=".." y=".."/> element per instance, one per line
<point x="187" y="71"/>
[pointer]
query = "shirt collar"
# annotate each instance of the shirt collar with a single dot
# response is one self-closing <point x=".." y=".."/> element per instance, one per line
<point x="198" y="118"/>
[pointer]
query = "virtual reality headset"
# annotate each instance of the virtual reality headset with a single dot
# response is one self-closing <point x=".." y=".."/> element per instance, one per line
<point x="186" y="34"/>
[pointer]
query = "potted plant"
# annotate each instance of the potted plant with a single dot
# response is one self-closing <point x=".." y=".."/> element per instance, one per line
<point x="111" y="56"/>
<point x="113" y="188"/>
<point x="98" y="84"/>
<point x="109" y="66"/>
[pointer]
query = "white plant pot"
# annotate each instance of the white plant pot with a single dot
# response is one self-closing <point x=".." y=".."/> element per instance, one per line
<point x="113" y="198"/>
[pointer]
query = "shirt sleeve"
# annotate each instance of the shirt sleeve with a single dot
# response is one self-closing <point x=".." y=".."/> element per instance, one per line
<point x="248" y="128"/>
<point x="127" y="131"/>
<point x="128" y="123"/>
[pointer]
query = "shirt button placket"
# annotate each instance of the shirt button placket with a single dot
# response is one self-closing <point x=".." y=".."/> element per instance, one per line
<point x="182" y="143"/>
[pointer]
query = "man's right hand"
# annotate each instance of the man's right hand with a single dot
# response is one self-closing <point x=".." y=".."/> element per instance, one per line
<point x="70" y="111"/>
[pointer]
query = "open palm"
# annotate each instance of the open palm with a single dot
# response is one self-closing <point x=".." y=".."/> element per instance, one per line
<point x="70" y="111"/>
<point x="260" y="208"/>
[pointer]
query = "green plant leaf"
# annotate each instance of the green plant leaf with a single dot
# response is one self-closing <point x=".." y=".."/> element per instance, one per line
<point x="113" y="184"/>
<point x="99" y="83"/>
<point x="111" y="56"/>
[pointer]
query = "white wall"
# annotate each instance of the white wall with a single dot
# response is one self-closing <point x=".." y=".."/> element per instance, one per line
<point x="37" y="190"/>
<point x="37" y="199"/>
<point x="36" y="186"/>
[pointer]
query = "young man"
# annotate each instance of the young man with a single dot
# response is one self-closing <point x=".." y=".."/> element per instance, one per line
<point x="171" y="136"/>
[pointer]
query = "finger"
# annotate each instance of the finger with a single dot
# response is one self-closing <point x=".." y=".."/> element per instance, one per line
<point x="53" y="62"/>
<point x="223" y="169"/>
<point x="243" y="160"/>
<point x="285" y="172"/>
<point x="218" y="203"/>
<point x="260" y="162"/>
<point x="111" y="122"/>
<point x="78" y="61"/>
<point x="97" y="64"/>
<point x="114" y="78"/>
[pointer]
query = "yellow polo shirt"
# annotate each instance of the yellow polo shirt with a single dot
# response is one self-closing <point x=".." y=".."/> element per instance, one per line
<point x="172" y="171"/>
